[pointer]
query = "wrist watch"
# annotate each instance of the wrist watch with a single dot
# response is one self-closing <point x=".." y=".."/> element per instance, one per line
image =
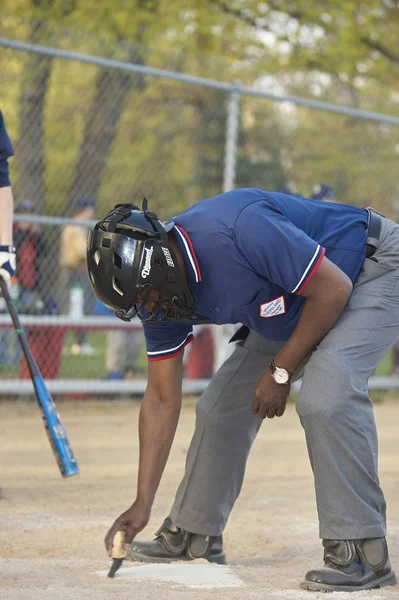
<point x="280" y="375"/>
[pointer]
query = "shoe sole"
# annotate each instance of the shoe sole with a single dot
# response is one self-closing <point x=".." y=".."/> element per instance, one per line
<point x="219" y="559"/>
<point x="313" y="586"/>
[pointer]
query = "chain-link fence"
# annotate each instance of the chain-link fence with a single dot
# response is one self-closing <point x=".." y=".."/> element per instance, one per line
<point x="92" y="131"/>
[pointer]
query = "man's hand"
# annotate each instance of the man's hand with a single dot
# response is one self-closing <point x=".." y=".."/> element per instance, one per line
<point x="270" y="398"/>
<point x="132" y="521"/>
<point x="7" y="263"/>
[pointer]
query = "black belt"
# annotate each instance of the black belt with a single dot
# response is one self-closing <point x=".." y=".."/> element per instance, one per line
<point x="373" y="232"/>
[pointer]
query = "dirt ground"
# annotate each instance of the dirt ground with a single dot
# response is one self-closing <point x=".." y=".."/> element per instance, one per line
<point x="51" y="530"/>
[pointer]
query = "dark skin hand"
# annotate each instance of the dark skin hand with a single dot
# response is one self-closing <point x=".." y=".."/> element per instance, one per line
<point x="326" y="296"/>
<point x="270" y="398"/>
<point x="132" y="521"/>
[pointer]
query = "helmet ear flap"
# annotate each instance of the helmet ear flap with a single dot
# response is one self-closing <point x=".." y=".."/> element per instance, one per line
<point x="110" y="262"/>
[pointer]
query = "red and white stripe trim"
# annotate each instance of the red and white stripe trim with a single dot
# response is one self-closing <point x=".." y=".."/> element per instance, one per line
<point x="310" y="270"/>
<point x="188" y="245"/>
<point x="171" y="352"/>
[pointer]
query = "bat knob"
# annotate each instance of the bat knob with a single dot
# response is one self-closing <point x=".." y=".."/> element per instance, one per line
<point x="116" y="563"/>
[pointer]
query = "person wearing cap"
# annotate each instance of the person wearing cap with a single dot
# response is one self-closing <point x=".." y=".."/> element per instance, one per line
<point x="7" y="250"/>
<point x="324" y="192"/>
<point x="73" y="262"/>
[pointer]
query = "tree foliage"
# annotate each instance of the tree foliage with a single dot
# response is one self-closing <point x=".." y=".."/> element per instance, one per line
<point x="84" y="130"/>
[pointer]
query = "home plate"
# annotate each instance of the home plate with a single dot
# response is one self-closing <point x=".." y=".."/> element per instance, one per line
<point x="199" y="576"/>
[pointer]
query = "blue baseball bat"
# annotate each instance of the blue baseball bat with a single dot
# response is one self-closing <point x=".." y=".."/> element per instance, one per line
<point x="55" y="430"/>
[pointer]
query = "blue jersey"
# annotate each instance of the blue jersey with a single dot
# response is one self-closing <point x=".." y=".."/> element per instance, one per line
<point x="249" y="254"/>
<point x="6" y="151"/>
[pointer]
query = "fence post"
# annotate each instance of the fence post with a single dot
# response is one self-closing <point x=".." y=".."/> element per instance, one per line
<point x="222" y="333"/>
<point x="230" y="154"/>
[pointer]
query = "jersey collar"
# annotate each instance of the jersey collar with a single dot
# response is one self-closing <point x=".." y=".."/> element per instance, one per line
<point x="190" y="258"/>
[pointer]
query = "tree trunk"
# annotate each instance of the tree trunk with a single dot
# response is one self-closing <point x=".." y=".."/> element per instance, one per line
<point x="30" y="146"/>
<point x="112" y="88"/>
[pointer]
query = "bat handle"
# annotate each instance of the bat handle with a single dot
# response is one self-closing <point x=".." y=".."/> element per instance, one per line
<point x="118" y="552"/>
<point x="118" y="545"/>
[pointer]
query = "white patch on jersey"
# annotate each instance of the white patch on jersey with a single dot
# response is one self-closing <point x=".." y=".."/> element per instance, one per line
<point x="273" y="308"/>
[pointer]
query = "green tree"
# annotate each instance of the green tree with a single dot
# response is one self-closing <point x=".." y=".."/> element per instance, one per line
<point x="110" y="134"/>
<point x="34" y="84"/>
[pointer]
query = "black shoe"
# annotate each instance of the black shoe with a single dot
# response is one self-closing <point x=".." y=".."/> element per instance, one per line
<point x="172" y="543"/>
<point x="351" y="566"/>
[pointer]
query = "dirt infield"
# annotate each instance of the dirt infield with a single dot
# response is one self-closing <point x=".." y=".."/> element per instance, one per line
<point x="51" y="530"/>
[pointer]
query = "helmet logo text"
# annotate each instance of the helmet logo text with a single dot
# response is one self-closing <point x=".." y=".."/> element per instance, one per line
<point x="145" y="271"/>
<point x="168" y="256"/>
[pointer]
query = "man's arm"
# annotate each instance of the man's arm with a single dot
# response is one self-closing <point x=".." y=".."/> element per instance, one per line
<point x="7" y="215"/>
<point x="7" y="253"/>
<point x="326" y="296"/>
<point x="159" y="415"/>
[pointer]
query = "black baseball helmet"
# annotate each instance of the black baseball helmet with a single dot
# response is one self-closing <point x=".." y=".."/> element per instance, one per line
<point x="129" y="256"/>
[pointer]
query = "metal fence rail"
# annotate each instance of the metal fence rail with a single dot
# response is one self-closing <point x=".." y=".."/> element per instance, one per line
<point x="201" y="81"/>
<point x="80" y="388"/>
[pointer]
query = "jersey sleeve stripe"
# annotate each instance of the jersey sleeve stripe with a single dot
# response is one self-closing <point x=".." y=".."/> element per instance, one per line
<point x="190" y="333"/>
<point x="313" y="271"/>
<point x="161" y="356"/>
<point x="313" y="261"/>
<point x="190" y="252"/>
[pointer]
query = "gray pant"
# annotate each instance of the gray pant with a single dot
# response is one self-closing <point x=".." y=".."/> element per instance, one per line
<point x="333" y="406"/>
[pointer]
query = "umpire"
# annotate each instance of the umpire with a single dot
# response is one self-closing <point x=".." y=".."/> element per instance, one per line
<point x="316" y="288"/>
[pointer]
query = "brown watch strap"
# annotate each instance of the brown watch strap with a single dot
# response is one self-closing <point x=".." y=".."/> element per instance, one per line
<point x="273" y="367"/>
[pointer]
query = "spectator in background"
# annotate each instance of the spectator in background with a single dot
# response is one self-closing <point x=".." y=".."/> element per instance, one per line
<point x="31" y="250"/>
<point x="26" y="289"/>
<point x="395" y="360"/>
<point x="73" y="262"/>
<point x="199" y="359"/>
<point x="322" y="191"/>
<point x="123" y="348"/>
<point x="285" y="189"/>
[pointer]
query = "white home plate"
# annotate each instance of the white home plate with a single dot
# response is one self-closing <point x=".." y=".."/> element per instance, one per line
<point x="203" y="576"/>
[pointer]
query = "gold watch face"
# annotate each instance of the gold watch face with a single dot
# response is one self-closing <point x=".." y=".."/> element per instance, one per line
<point x="281" y="375"/>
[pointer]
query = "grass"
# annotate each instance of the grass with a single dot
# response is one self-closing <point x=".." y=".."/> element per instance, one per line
<point x="87" y="367"/>
<point x="81" y="366"/>
<point x="385" y="367"/>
